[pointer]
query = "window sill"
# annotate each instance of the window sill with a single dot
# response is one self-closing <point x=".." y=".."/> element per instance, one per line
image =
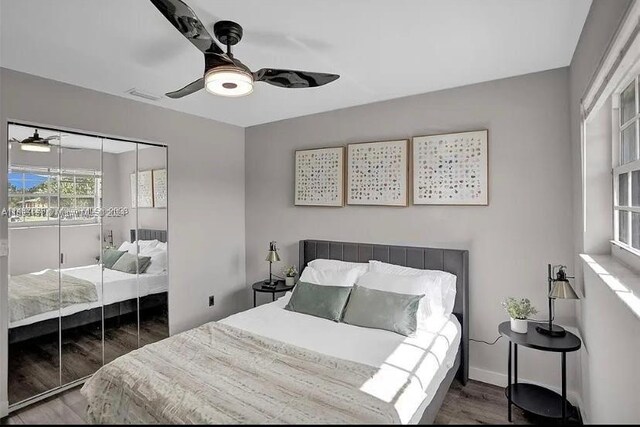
<point x="626" y="255"/>
<point x="621" y="279"/>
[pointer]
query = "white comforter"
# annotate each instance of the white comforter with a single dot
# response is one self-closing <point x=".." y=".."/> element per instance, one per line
<point x="427" y="356"/>
<point x="112" y="286"/>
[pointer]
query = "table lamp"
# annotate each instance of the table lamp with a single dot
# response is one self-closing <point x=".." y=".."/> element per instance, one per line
<point x="559" y="288"/>
<point x="272" y="256"/>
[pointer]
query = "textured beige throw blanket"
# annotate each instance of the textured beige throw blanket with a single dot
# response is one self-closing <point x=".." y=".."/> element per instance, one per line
<point x="37" y="293"/>
<point x="221" y="374"/>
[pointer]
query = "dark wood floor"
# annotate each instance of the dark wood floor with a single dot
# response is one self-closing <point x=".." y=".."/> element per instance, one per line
<point x="475" y="403"/>
<point x="34" y="364"/>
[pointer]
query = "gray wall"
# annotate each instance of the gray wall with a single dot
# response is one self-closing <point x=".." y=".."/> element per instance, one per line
<point x="609" y="373"/>
<point x="527" y="224"/>
<point x="206" y="189"/>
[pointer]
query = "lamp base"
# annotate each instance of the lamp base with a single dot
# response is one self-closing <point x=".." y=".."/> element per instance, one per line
<point x="554" y="331"/>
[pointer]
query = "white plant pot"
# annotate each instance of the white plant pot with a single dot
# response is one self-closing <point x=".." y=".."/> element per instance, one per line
<point x="289" y="281"/>
<point x="519" y="325"/>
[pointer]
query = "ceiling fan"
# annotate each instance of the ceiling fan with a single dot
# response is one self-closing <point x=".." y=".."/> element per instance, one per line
<point x="223" y="73"/>
<point x="37" y="143"/>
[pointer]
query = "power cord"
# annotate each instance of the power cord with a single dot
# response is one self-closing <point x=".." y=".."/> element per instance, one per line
<point x="486" y="342"/>
<point x="496" y="340"/>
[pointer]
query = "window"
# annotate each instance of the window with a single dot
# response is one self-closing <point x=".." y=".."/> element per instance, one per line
<point x="626" y="171"/>
<point x="39" y="195"/>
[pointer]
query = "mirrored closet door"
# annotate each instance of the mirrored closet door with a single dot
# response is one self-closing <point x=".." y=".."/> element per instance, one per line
<point x="80" y="282"/>
<point x="152" y="219"/>
<point x="88" y="255"/>
<point x="120" y="317"/>
<point x="34" y="262"/>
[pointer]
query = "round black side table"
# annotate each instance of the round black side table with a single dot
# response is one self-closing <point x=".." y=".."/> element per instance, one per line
<point x="533" y="398"/>
<point x="280" y="287"/>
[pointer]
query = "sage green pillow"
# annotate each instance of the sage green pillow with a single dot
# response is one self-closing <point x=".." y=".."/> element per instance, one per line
<point x="110" y="256"/>
<point x="390" y="311"/>
<point x="127" y="263"/>
<point x="317" y="300"/>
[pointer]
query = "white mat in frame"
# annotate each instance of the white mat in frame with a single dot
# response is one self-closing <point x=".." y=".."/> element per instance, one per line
<point x="451" y="169"/>
<point x="378" y="173"/>
<point x="319" y="177"/>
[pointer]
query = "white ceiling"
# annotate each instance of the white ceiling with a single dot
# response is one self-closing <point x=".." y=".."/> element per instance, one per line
<point x="382" y="49"/>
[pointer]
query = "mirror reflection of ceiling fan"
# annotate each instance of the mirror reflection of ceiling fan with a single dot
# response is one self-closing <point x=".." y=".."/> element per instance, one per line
<point x="39" y="144"/>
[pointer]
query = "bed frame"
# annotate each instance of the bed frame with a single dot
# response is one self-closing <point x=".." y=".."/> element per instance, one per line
<point x="454" y="261"/>
<point x="86" y="317"/>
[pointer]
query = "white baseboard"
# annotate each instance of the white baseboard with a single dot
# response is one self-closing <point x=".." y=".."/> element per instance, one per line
<point x="500" y="379"/>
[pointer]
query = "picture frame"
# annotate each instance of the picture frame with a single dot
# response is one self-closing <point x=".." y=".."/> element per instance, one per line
<point x="319" y="177"/>
<point x="159" y="188"/>
<point x="145" y="189"/>
<point x="378" y="173"/>
<point x="451" y="169"/>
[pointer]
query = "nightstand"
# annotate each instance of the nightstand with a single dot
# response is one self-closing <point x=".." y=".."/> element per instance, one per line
<point x="280" y="287"/>
<point x="533" y="398"/>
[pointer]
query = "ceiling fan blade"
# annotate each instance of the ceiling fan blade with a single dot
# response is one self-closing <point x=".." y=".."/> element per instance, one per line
<point x="184" y="19"/>
<point x="292" y="78"/>
<point x="15" y="140"/>
<point x="188" y="89"/>
<point x="67" y="148"/>
<point x="51" y="138"/>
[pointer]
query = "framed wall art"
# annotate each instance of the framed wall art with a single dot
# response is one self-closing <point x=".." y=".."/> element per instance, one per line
<point x="319" y="177"/>
<point x="159" y="188"/>
<point x="378" y="173"/>
<point x="451" y="169"/>
<point x="145" y="190"/>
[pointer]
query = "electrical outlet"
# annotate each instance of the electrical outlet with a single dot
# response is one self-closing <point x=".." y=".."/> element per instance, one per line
<point x="211" y="301"/>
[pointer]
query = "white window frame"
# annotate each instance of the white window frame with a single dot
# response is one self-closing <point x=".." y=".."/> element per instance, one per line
<point x="619" y="66"/>
<point x="75" y="173"/>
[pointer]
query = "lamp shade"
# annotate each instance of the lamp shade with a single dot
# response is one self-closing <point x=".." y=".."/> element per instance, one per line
<point x="561" y="289"/>
<point x="272" y="256"/>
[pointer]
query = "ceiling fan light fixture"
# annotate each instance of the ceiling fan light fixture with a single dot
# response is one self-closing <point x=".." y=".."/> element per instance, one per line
<point x="35" y="147"/>
<point x="228" y="81"/>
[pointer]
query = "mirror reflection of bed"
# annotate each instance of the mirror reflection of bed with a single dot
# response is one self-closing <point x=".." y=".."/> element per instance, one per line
<point x="70" y="309"/>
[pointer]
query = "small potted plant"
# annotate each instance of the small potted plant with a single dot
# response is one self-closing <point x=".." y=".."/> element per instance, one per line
<point x="290" y="275"/>
<point x="519" y="310"/>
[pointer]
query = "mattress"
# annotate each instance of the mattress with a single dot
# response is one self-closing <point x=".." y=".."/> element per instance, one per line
<point x="427" y="357"/>
<point x="114" y="286"/>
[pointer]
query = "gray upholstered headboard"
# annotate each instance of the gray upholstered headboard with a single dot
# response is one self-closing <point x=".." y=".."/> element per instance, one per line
<point x="454" y="261"/>
<point x="149" y="234"/>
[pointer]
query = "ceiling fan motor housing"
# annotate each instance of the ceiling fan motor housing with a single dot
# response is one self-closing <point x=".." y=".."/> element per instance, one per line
<point x="229" y="33"/>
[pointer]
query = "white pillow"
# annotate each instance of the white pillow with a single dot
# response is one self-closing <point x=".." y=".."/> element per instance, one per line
<point x="144" y="245"/>
<point x="158" y="261"/>
<point x="127" y="247"/>
<point x="162" y="245"/>
<point x="336" y="265"/>
<point x="345" y="278"/>
<point x="445" y="282"/>
<point x="430" y="305"/>
<point x="147" y="244"/>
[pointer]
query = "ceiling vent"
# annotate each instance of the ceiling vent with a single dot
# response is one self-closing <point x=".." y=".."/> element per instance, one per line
<point x="142" y="94"/>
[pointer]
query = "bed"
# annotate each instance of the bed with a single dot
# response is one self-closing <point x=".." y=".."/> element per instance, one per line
<point x="116" y="290"/>
<point x="269" y="365"/>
